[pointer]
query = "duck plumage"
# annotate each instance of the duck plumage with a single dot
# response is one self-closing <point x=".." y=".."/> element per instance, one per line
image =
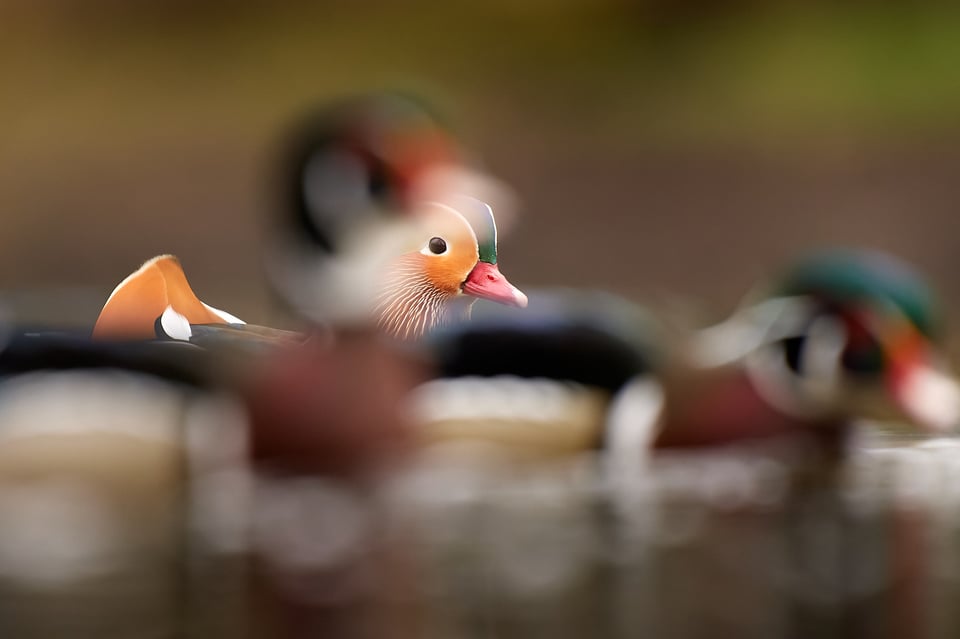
<point x="145" y="295"/>
<point x="421" y="288"/>
<point x="157" y="302"/>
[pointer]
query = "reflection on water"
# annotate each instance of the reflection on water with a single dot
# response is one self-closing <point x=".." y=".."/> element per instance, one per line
<point x="146" y="520"/>
<point x="733" y="543"/>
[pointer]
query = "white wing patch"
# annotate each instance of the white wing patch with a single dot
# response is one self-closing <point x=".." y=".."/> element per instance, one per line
<point x="225" y="316"/>
<point x="175" y="325"/>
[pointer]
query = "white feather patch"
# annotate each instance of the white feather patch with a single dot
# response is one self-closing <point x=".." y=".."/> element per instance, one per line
<point x="225" y="316"/>
<point x="175" y="325"/>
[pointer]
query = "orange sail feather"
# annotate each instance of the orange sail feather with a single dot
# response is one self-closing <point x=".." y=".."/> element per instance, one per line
<point x="132" y="309"/>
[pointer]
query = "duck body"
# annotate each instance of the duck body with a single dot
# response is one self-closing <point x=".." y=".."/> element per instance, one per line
<point x="537" y="383"/>
<point x="838" y="338"/>
<point x="725" y="407"/>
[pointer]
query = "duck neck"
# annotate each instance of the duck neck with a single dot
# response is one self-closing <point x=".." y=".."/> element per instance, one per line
<point x="409" y="308"/>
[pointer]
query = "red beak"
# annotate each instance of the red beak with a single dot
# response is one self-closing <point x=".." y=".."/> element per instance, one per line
<point x="485" y="281"/>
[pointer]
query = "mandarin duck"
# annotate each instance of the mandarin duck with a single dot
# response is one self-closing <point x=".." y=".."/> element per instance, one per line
<point x="841" y="335"/>
<point x="384" y="226"/>
<point x="438" y="269"/>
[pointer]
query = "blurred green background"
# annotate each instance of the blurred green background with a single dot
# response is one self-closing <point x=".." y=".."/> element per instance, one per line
<point x="659" y="148"/>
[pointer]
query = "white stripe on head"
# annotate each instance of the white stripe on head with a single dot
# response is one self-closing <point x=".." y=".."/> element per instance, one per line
<point x="446" y="183"/>
<point x="932" y="397"/>
<point x="451" y="209"/>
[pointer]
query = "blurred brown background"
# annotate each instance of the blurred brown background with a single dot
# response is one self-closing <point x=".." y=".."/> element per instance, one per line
<point x="659" y="147"/>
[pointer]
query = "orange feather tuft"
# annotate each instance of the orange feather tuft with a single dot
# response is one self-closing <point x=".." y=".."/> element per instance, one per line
<point x="134" y="306"/>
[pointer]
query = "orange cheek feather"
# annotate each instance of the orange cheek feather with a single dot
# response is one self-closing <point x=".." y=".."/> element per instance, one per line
<point x="447" y="276"/>
<point x="448" y="272"/>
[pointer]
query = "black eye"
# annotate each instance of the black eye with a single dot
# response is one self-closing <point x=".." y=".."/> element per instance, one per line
<point x="864" y="357"/>
<point x="437" y="245"/>
<point x="792" y="350"/>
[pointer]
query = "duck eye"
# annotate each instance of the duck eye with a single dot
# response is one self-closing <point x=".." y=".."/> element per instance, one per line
<point x="437" y="245"/>
<point x="864" y="357"/>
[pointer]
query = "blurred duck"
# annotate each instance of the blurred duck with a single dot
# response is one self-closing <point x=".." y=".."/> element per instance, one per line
<point x="843" y="334"/>
<point x="439" y="270"/>
<point x="545" y="382"/>
<point x="385" y="218"/>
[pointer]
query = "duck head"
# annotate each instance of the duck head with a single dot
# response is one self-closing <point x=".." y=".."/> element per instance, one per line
<point x="454" y="263"/>
<point x="851" y="334"/>
<point x="386" y="221"/>
<point x="360" y="157"/>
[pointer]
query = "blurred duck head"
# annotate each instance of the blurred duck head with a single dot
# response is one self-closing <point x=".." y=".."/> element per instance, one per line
<point x="372" y="180"/>
<point x="850" y="332"/>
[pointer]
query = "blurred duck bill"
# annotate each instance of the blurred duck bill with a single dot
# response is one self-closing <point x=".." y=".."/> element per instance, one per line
<point x="929" y="395"/>
<point x="919" y="380"/>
